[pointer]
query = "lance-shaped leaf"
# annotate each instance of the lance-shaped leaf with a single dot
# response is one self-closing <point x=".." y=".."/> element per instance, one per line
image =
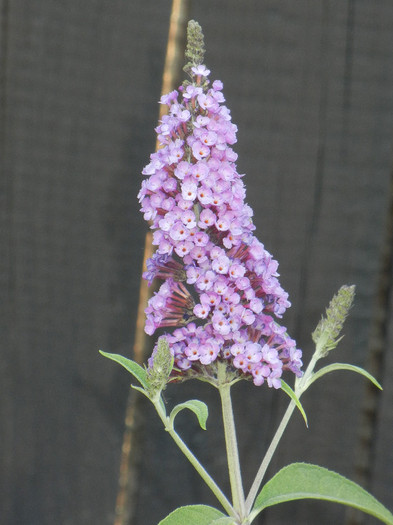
<point x="198" y="407"/>
<point x="131" y="366"/>
<point x="303" y="481"/>
<point x="288" y="390"/>
<point x="343" y="366"/>
<point x="192" y="515"/>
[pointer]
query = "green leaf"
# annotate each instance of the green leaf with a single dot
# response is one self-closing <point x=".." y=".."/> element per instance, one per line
<point x="303" y="481"/>
<point x="141" y="390"/>
<point x="136" y="370"/>
<point x="343" y="366"/>
<point x="192" y="515"/>
<point x="288" y="390"/>
<point x="198" y="407"/>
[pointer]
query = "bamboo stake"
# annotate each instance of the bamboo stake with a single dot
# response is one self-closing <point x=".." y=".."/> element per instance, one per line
<point x="132" y="439"/>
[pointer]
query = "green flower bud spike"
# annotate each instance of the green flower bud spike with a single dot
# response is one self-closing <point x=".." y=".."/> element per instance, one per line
<point x="158" y="374"/>
<point x="326" y="335"/>
<point x="195" y="50"/>
<point x="326" y="338"/>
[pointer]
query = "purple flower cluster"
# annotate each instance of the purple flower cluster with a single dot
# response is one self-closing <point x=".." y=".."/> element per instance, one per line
<point x="220" y="288"/>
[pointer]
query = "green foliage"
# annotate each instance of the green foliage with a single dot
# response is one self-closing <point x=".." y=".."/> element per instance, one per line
<point x="343" y="366"/>
<point x="131" y="366"/>
<point x="303" y="481"/>
<point x="193" y="515"/>
<point x="198" y="407"/>
<point x="224" y="521"/>
<point x="296" y="481"/>
<point x="288" y="390"/>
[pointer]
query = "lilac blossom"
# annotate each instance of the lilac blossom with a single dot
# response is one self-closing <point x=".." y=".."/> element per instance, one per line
<point x="221" y="292"/>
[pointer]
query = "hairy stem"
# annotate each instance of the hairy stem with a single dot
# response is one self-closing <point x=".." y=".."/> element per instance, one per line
<point x="268" y="456"/>
<point x="194" y="461"/>
<point x="232" y="449"/>
<point x="301" y="385"/>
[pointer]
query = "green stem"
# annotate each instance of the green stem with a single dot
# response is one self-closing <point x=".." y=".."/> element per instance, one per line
<point x="301" y="385"/>
<point x="231" y="445"/>
<point x="193" y="460"/>
<point x="268" y="456"/>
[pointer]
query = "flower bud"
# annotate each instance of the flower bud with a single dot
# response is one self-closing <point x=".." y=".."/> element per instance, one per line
<point x="195" y="50"/>
<point x="325" y="336"/>
<point x="160" y="367"/>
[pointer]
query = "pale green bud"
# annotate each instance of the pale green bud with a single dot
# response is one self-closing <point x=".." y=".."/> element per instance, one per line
<point x="195" y="50"/>
<point x="160" y="367"/>
<point x="326" y="334"/>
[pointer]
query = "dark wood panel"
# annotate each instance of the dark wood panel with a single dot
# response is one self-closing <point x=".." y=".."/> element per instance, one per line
<point x="309" y="86"/>
<point x="306" y="84"/>
<point x="81" y="82"/>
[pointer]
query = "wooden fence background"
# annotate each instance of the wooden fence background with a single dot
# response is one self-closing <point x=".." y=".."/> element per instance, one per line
<point x="310" y="86"/>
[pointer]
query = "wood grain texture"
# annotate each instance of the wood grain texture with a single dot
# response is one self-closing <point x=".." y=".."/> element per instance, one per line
<point x="304" y="83"/>
<point x="80" y="89"/>
<point x="309" y="85"/>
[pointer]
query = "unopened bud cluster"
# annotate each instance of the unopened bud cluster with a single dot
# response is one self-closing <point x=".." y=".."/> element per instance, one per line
<point x="326" y="334"/>
<point x="160" y="367"/>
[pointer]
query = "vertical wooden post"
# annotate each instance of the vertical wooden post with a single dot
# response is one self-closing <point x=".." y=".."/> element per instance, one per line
<point x="132" y="439"/>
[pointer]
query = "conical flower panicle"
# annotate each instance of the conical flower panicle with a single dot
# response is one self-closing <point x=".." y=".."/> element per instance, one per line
<point x="221" y="291"/>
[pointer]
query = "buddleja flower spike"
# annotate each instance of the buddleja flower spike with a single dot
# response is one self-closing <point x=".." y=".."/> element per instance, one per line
<point x="220" y="303"/>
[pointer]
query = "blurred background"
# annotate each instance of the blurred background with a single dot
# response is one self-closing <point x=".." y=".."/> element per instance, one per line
<point x="310" y="86"/>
